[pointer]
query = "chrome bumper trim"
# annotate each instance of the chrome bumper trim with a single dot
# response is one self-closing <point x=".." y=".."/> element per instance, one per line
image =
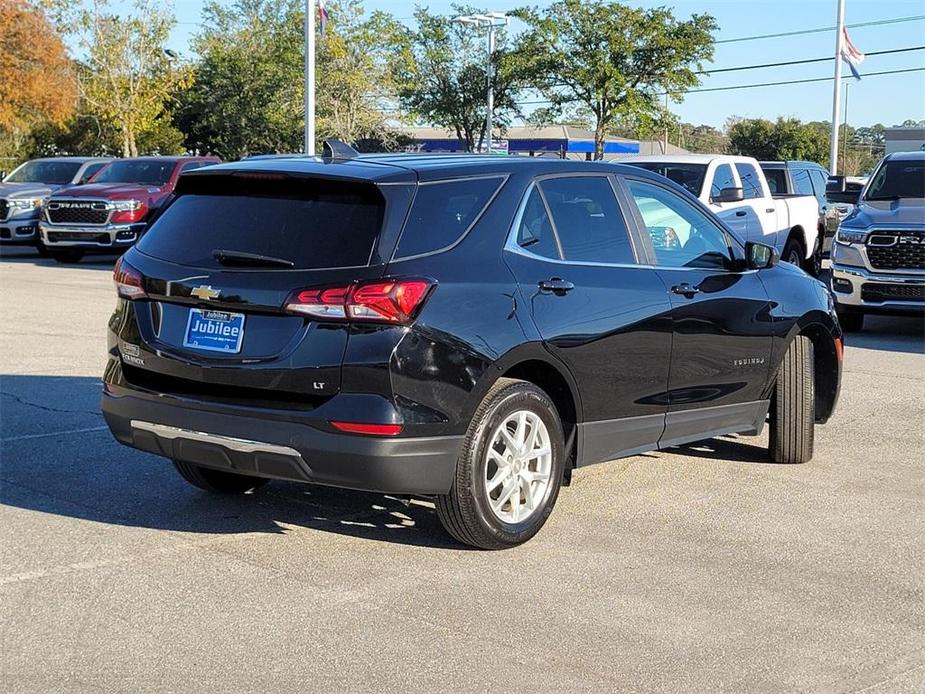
<point x="229" y="442"/>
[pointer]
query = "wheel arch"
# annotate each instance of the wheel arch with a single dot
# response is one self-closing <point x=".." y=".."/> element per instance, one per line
<point x="827" y="347"/>
<point x="533" y="363"/>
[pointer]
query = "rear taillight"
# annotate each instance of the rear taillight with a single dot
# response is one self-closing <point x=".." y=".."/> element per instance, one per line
<point x="130" y="284"/>
<point x="386" y="301"/>
<point x="368" y="429"/>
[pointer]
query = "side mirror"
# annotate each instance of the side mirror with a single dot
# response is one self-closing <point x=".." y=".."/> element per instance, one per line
<point x="759" y="256"/>
<point x="837" y="189"/>
<point x="729" y="195"/>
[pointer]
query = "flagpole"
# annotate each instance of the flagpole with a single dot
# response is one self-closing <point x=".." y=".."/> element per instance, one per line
<point x="310" y="77"/>
<point x="836" y="88"/>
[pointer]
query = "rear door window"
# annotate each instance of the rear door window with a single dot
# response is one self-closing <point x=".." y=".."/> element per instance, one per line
<point x="442" y="213"/>
<point x="777" y="180"/>
<point x="588" y="220"/>
<point x="802" y="185"/>
<point x="751" y="182"/>
<point x="722" y="178"/>
<point x="312" y="223"/>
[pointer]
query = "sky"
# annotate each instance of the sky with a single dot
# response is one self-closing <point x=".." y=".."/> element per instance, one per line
<point x="887" y="99"/>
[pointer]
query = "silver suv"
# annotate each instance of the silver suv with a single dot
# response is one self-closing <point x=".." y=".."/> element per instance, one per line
<point x="878" y="258"/>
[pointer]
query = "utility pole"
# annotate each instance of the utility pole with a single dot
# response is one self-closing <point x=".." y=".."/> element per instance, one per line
<point x="310" y="77"/>
<point x="492" y="20"/>
<point x="844" y="151"/>
<point x="836" y="87"/>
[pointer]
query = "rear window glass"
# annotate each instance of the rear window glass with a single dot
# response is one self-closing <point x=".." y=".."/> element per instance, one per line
<point x="442" y="212"/>
<point x="313" y="224"/>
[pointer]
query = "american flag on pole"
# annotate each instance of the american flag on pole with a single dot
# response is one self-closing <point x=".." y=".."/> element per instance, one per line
<point x="322" y="16"/>
<point x="850" y="54"/>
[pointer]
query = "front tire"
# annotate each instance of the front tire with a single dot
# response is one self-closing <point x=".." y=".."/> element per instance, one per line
<point x="793" y="406"/>
<point x="851" y="321"/>
<point x="218" y="481"/>
<point x="67" y="257"/>
<point x="510" y="469"/>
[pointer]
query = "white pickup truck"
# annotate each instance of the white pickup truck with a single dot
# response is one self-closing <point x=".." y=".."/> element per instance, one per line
<point x="735" y="189"/>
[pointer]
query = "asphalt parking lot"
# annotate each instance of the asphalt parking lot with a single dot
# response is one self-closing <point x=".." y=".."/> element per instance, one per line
<point x="701" y="569"/>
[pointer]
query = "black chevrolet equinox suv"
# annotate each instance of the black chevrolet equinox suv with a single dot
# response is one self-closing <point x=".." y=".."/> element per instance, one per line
<point x="469" y="328"/>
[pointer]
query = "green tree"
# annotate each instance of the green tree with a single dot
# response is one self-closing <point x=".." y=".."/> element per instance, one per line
<point x="439" y="68"/>
<point x="786" y="138"/>
<point x="127" y="79"/>
<point x="615" y="60"/>
<point x="248" y="92"/>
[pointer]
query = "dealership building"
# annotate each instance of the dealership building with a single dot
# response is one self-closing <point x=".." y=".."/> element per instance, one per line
<point x="562" y="140"/>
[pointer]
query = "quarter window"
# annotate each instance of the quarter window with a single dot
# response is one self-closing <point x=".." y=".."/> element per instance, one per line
<point x="751" y="183"/>
<point x="588" y="220"/>
<point x="535" y="233"/>
<point x="442" y="212"/>
<point x="681" y="235"/>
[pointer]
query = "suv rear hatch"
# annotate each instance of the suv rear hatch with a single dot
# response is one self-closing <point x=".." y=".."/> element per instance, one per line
<point x="218" y="268"/>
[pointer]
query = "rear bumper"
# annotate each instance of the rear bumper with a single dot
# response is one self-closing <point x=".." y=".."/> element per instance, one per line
<point x="857" y="289"/>
<point x="102" y="237"/>
<point x="279" y="449"/>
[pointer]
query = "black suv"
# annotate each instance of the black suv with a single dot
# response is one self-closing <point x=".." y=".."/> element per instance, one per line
<point x="469" y="328"/>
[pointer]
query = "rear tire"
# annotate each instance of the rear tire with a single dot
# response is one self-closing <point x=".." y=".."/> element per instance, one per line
<point x="851" y="321"/>
<point x="794" y="253"/>
<point x="218" y="481"/>
<point x="503" y="493"/>
<point x="66" y="257"/>
<point x="793" y="406"/>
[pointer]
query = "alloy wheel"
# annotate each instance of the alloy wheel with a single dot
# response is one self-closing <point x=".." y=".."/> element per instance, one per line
<point x="518" y="465"/>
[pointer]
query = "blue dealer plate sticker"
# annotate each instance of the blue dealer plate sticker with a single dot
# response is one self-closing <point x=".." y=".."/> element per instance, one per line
<point x="217" y="331"/>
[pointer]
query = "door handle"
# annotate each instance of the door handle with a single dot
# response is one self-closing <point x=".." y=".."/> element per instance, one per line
<point x="769" y="209"/>
<point x="686" y="290"/>
<point x="741" y="213"/>
<point x="556" y="285"/>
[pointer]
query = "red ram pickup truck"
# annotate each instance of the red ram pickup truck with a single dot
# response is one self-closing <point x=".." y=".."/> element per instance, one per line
<point x="111" y="212"/>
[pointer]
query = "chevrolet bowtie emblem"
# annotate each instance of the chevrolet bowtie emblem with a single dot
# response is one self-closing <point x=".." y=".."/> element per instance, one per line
<point x="205" y="292"/>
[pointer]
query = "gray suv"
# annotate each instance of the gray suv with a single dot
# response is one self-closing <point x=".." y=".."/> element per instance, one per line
<point x="878" y="258"/>
<point x="22" y="194"/>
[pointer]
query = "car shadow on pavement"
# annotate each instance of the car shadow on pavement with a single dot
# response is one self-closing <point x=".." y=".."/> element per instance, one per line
<point x="28" y="256"/>
<point x="730" y="448"/>
<point x="890" y="334"/>
<point x="57" y="457"/>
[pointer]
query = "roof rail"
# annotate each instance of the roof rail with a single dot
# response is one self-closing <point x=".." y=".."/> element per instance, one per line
<point x="335" y="149"/>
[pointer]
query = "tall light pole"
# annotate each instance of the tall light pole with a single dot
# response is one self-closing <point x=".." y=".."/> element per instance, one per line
<point x="493" y="21"/>
<point x="836" y="88"/>
<point x="310" y="77"/>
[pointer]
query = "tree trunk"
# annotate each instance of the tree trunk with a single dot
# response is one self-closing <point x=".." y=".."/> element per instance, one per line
<point x="599" y="134"/>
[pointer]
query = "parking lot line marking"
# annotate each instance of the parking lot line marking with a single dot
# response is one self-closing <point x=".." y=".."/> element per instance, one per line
<point x="53" y="433"/>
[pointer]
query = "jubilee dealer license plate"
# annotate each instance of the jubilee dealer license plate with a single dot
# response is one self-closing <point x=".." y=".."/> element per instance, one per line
<point x="217" y="331"/>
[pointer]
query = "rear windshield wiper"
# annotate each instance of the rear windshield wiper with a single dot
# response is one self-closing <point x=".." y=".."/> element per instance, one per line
<point x="242" y="259"/>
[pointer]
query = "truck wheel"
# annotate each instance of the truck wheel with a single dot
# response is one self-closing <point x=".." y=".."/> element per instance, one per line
<point x="217" y="481"/>
<point x="67" y="257"/>
<point x="42" y="249"/>
<point x="793" y="252"/>
<point x="793" y="406"/>
<point x="851" y="321"/>
<point x="509" y="471"/>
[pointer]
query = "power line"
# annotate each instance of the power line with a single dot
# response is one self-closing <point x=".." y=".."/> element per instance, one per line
<point x="762" y="84"/>
<point x="806" y="61"/>
<point x="802" y="32"/>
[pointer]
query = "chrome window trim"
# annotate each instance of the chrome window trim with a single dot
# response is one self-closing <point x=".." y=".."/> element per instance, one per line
<point x="503" y="178"/>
